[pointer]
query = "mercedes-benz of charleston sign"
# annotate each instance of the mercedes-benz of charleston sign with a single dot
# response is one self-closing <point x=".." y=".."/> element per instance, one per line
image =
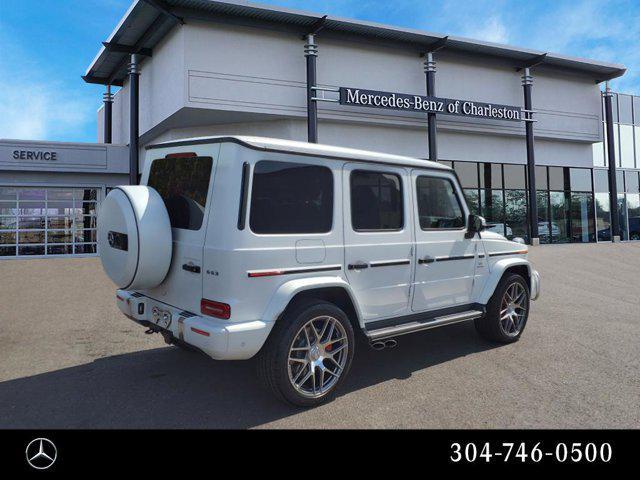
<point x="417" y="103"/>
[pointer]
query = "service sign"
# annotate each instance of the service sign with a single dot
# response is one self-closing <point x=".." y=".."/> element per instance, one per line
<point x="359" y="97"/>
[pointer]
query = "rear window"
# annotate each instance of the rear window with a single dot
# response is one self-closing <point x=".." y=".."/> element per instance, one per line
<point x="183" y="184"/>
<point x="291" y="198"/>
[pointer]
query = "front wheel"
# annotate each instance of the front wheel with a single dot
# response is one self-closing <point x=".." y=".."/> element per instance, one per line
<point x="308" y="354"/>
<point x="507" y="311"/>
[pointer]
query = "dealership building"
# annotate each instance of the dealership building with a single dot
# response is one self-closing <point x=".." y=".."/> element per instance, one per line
<point x="505" y="118"/>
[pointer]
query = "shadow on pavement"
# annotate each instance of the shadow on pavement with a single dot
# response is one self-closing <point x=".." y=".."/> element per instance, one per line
<point x="170" y="388"/>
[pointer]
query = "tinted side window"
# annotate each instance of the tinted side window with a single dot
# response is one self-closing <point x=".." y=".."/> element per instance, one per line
<point x="438" y="204"/>
<point x="376" y="201"/>
<point x="183" y="184"/>
<point x="291" y="198"/>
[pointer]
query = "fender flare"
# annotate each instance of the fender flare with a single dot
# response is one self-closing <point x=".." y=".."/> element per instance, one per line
<point x="285" y="292"/>
<point x="497" y="270"/>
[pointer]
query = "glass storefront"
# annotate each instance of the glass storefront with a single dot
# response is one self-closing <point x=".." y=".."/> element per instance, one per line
<point x="48" y="221"/>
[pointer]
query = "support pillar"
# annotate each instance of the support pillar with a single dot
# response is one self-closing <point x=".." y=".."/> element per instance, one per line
<point x="611" y="157"/>
<point x="311" y="52"/>
<point x="108" y="115"/>
<point x="527" y="85"/>
<point x="430" y="72"/>
<point x="134" y="113"/>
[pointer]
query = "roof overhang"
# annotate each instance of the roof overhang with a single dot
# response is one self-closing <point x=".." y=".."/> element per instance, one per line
<point x="146" y="22"/>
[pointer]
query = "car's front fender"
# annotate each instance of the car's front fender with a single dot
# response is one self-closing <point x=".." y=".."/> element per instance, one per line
<point x="497" y="271"/>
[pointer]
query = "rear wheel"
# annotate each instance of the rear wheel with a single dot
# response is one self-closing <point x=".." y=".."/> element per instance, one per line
<point x="308" y="354"/>
<point x="507" y="311"/>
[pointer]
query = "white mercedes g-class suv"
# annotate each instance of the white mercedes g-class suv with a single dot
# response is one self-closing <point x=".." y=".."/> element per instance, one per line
<point x="243" y="246"/>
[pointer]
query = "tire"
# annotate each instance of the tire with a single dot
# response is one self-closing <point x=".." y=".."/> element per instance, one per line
<point x="493" y="326"/>
<point x="282" y="370"/>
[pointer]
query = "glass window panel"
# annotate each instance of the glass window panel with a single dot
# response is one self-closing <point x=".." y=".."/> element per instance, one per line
<point x="60" y="194"/>
<point x="541" y="178"/>
<point x="631" y="182"/>
<point x="598" y="154"/>
<point x="8" y="223"/>
<point x="31" y="236"/>
<point x="7" y="251"/>
<point x="616" y="142"/>
<point x="622" y="216"/>
<point x="31" y="250"/>
<point x="473" y="200"/>
<point x="7" y="237"/>
<point x="183" y="184"/>
<point x="87" y="221"/>
<point x="603" y="217"/>
<point x="31" y="209"/>
<point x="31" y="223"/>
<point x="59" y="249"/>
<point x="626" y="146"/>
<point x="291" y="198"/>
<point x="580" y="179"/>
<point x="87" y="194"/>
<point x="438" y="204"/>
<point x="560" y="229"/>
<point x="376" y="201"/>
<point x="467" y="173"/>
<point x="59" y="222"/>
<point x="601" y="180"/>
<point x="85" y="236"/>
<point x="516" y="214"/>
<point x="625" y="108"/>
<point x="87" y="208"/>
<point x="60" y="204"/>
<point x="542" y="200"/>
<point x="582" y="222"/>
<point x="32" y="194"/>
<point x="556" y="178"/>
<point x="8" y="208"/>
<point x="619" y="181"/>
<point x="490" y="175"/>
<point x="633" y="215"/>
<point x="493" y="208"/>
<point x="85" y="248"/>
<point x="60" y="236"/>
<point x="7" y="193"/>
<point x="514" y="177"/>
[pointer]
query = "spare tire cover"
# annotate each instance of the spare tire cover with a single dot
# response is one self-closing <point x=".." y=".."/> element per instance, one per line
<point x="134" y="237"/>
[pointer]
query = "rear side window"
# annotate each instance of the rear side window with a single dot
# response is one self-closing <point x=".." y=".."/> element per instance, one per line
<point x="376" y="201"/>
<point x="291" y="198"/>
<point x="183" y="184"/>
<point x="438" y="204"/>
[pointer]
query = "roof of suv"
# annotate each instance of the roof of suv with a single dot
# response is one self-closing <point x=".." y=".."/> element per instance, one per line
<point x="304" y="148"/>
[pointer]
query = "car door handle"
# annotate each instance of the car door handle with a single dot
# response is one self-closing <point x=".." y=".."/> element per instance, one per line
<point x="358" y="266"/>
<point x="426" y="260"/>
<point x="190" y="267"/>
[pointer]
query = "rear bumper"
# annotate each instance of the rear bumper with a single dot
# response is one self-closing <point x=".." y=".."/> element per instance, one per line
<point x="219" y="339"/>
<point x="535" y="285"/>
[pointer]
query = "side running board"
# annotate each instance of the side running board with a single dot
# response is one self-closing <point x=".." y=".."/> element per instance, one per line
<point x="404" y="328"/>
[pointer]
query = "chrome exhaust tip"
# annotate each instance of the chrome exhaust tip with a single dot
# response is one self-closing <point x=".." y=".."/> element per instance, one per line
<point x="378" y="345"/>
<point x="391" y="343"/>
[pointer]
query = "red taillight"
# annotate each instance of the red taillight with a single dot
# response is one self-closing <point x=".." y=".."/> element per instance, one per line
<point x="215" y="309"/>
<point x="181" y="155"/>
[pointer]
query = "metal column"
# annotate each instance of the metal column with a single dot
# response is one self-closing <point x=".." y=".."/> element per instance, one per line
<point x="527" y="84"/>
<point x="611" y="157"/>
<point x="430" y="71"/>
<point x="311" y="52"/>
<point x="108" y="115"/>
<point x="134" y="113"/>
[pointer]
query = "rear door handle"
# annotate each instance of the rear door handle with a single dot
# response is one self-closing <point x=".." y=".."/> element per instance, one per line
<point x="426" y="260"/>
<point x="358" y="266"/>
<point x="190" y="267"/>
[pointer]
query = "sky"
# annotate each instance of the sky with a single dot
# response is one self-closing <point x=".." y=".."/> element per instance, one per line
<point x="46" y="45"/>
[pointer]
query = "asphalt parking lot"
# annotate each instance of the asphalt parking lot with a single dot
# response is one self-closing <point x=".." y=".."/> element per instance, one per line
<point x="69" y="359"/>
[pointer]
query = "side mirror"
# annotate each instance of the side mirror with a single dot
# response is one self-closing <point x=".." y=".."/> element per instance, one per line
<point x="476" y="225"/>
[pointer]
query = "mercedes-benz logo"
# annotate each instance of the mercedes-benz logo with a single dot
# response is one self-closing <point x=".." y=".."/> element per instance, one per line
<point x="41" y="453"/>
